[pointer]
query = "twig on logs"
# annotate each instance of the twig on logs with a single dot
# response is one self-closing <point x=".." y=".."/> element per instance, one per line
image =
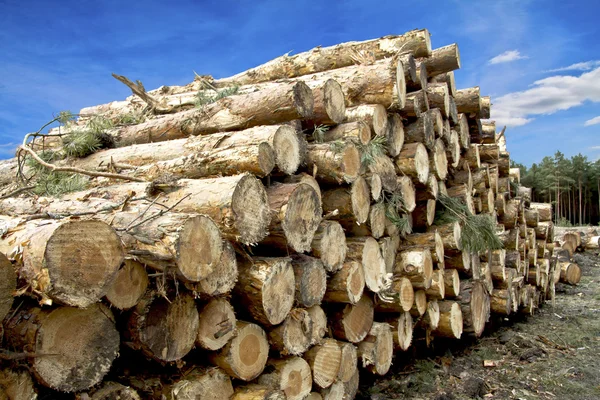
<point x="16" y="192"/>
<point x="12" y="356"/>
<point x="138" y="89"/>
<point x="77" y="170"/>
<point x="158" y="214"/>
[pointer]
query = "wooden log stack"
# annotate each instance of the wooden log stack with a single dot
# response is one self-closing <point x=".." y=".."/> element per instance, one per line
<point x="282" y="239"/>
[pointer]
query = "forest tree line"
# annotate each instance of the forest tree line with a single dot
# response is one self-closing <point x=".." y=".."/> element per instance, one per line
<point x="571" y="185"/>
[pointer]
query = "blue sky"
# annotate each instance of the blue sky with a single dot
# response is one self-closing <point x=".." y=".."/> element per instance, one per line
<point x="537" y="59"/>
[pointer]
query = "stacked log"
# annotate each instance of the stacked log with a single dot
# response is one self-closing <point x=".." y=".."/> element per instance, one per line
<point x="279" y="239"/>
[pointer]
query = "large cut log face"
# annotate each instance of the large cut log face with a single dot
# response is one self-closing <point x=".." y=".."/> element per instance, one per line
<point x="286" y="145"/>
<point x="250" y="207"/>
<point x="199" y="248"/>
<point x="278" y="292"/>
<point x="80" y="345"/>
<point x="302" y="217"/>
<point x="79" y="261"/>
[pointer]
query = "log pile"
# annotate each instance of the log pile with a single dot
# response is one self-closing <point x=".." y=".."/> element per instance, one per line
<point x="280" y="239"/>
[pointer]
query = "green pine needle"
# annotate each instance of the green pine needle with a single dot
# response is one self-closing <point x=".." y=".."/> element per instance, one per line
<point x="203" y="98"/>
<point x="318" y="134"/>
<point x="372" y="150"/>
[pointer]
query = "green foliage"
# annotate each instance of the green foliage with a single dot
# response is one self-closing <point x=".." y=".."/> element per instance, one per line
<point x="65" y="117"/>
<point x="50" y="183"/>
<point x="318" y="134"/>
<point x="372" y="150"/>
<point x="130" y="118"/>
<point x="394" y="206"/>
<point x="83" y="141"/>
<point x="337" y="146"/>
<point x="203" y="97"/>
<point x="563" y="222"/>
<point x="478" y="231"/>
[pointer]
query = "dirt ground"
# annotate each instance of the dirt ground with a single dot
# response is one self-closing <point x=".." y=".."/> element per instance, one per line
<point x="554" y="354"/>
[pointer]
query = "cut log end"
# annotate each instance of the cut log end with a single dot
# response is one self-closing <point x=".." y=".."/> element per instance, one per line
<point x="222" y="279"/>
<point x="311" y="280"/>
<point x="302" y="217"/>
<point x="278" y="292"/>
<point x="303" y="99"/>
<point x="329" y="243"/>
<point x="199" y="248"/>
<point x="129" y="285"/>
<point x="348" y="362"/>
<point x="291" y="375"/>
<point x="335" y="104"/>
<point x="18" y="385"/>
<point x="217" y="323"/>
<point x="355" y="320"/>
<point x="286" y="145"/>
<point x="403" y="332"/>
<point x="324" y="360"/>
<point x="251" y="209"/>
<point x="293" y="337"/>
<point x="377" y="349"/>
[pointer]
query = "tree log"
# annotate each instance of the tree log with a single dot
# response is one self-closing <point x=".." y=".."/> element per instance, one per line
<point x="348" y="363"/>
<point x="413" y="161"/>
<point x="403" y="296"/>
<point x="245" y="355"/>
<point x="257" y="392"/>
<point x="324" y="360"/>
<point x="442" y="60"/>
<point x="394" y="135"/>
<point x="451" y="320"/>
<point x="347" y="285"/>
<point x="266" y="288"/>
<point x="475" y="306"/>
<point x="452" y="283"/>
<point x="420" y="306"/>
<point x="448" y="79"/>
<point x="374" y="115"/>
<point x="432" y="240"/>
<point x="377" y="349"/>
<point x="421" y="131"/>
<point x="334" y="162"/>
<point x="129" y="285"/>
<point x="329" y="243"/>
<point x="352" y="203"/>
<point x="8" y="285"/>
<point x="462" y="192"/>
<point x="438" y="97"/>
<point x="291" y="375"/>
<point x="359" y="131"/>
<point x="424" y="214"/>
<point x="383" y="166"/>
<point x="468" y="101"/>
<point x="217" y="324"/>
<point x="416" y="104"/>
<point x="366" y="250"/>
<point x="222" y="279"/>
<point x="438" y="163"/>
<point x="311" y="280"/>
<point x="353" y="322"/>
<point x="451" y="234"/>
<point x="293" y="336"/>
<point x="416" y="265"/>
<point x="75" y="346"/>
<point x="544" y="211"/>
<point x="570" y="273"/>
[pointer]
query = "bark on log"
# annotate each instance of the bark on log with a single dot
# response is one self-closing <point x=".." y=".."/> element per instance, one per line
<point x="291" y="375"/>
<point x="366" y="250"/>
<point x="383" y="166"/>
<point x="347" y="285"/>
<point x="452" y="283"/>
<point x="471" y="157"/>
<point x="76" y="346"/>
<point x="199" y="383"/>
<point x="416" y="265"/>
<point x="432" y="240"/>
<point x="353" y="322"/>
<point x="468" y="101"/>
<point x="257" y="392"/>
<point x="329" y="243"/>
<point x="450" y="234"/>
<point x="114" y="390"/>
<point x="266" y="288"/>
<point x="453" y="149"/>
<point x="442" y="60"/>
<point x="451" y="320"/>
<point x="416" y="42"/>
<point x="501" y="302"/>
<point x="428" y="191"/>
<point x="402" y="330"/>
<point x="377" y="349"/>
<point x="448" y="79"/>
<point x="352" y="203"/>
<point x="406" y="188"/>
<point x="319" y="324"/>
<point x="295" y="216"/>
<point x="416" y="104"/>
<point x="403" y="296"/>
<point x="438" y="97"/>
<point x="544" y="211"/>
<point x="394" y="135"/>
<point x="475" y="306"/>
<point x="217" y="324"/>
<point x="420" y="306"/>
<point x="462" y="192"/>
<point x="374" y="115"/>
<point x="437" y="290"/>
<point x="245" y="356"/>
<point x="459" y="260"/>
<point x="421" y="131"/>
<point x="570" y="273"/>
<point x="293" y="336"/>
<point x="8" y="285"/>
<point x="293" y="100"/>
<point x="413" y="161"/>
<point x="324" y="360"/>
<point x="424" y="214"/>
<point x="128" y="286"/>
<point x="311" y="280"/>
<point x="486" y="105"/>
<point x="348" y="363"/>
<point x="334" y="162"/>
<point x="358" y="131"/>
<point x="52" y="253"/>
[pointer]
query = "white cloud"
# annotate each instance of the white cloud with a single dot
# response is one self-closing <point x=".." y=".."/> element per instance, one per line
<point x="594" y="148"/>
<point x="546" y="96"/>
<point x="507" y="56"/>
<point x="582" y="66"/>
<point x="593" y="121"/>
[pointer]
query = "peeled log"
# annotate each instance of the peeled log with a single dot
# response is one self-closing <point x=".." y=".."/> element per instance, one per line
<point x="245" y="356"/>
<point x="266" y="288"/>
<point x="332" y="163"/>
<point x="217" y="323"/>
<point x="293" y="336"/>
<point x="413" y="161"/>
<point x="353" y="322"/>
<point x="346" y="285"/>
<point x="324" y="360"/>
<point x="54" y="251"/>
<point x="291" y="375"/>
<point x="416" y="42"/>
<point x="296" y="213"/>
<point x="377" y="349"/>
<point x="128" y="287"/>
<point x="451" y="320"/>
<point x="416" y="265"/>
<point x="82" y="342"/>
<point x="374" y="115"/>
<point x="293" y="100"/>
<point x="311" y="280"/>
<point x="329" y="243"/>
<point x="8" y="284"/>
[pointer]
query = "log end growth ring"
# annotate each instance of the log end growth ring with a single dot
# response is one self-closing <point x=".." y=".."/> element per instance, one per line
<point x="199" y="248"/>
<point x="251" y="208"/>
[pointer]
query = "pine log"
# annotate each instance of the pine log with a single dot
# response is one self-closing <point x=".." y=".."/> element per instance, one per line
<point x="377" y="349"/>
<point x="421" y="131"/>
<point x="16" y="384"/>
<point x="475" y="129"/>
<point x="375" y="225"/>
<point x="416" y="265"/>
<point x="420" y="306"/>
<point x="432" y="240"/>
<point x="257" y="392"/>
<point x="334" y="162"/>
<point x="468" y="101"/>
<point x="348" y="363"/>
<point x="76" y="346"/>
<point x="438" y="97"/>
<point x="459" y="260"/>
<point x="245" y="355"/>
<point x="329" y="243"/>
<point x="462" y="193"/>
<point x="406" y="188"/>
<point x="8" y="285"/>
<point x="199" y="383"/>
<point x="403" y="296"/>
<point x="442" y="60"/>
<point x="428" y="191"/>
<point x="346" y="285"/>
<point x="292" y="100"/>
<point x="329" y="101"/>
<point x="544" y="211"/>
<point x="128" y="286"/>
<point x="51" y="252"/>
<point x="291" y="375"/>
<point x="592" y="243"/>
<point x="437" y="290"/>
<point x="471" y="157"/>
<point x="416" y="104"/>
<point x="451" y="320"/>
<point x="394" y="135"/>
<point x="416" y="42"/>
<point x="424" y="214"/>
<point x="352" y="203"/>
<point x="314" y="396"/>
<point x="453" y="149"/>
<point x="353" y="322"/>
<point x="366" y="250"/>
<point x="402" y="330"/>
<point x="570" y="273"/>
<point x="358" y="131"/>
<point x="438" y="163"/>
<point x="383" y="166"/>
<point x="319" y="324"/>
<point x="389" y="247"/>
<point x="296" y="213"/>
<point x="413" y="161"/>
<point x="324" y="360"/>
<point x="266" y="288"/>
<point x="222" y="279"/>
<point x="475" y="306"/>
<point x="431" y="318"/>
<point x="217" y="324"/>
<point x="501" y="302"/>
<point x="488" y="201"/>
<point x="462" y="128"/>
<point x="374" y="115"/>
<point x="452" y="283"/>
<point x="422" y="77"/>
<point x="450" y="233"/>
<point x="448" y="79"/>
<point x="311" y="280"/>
<point x="293" y="336"/>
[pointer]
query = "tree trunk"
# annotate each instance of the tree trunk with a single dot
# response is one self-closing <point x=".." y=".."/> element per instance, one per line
<point x="295" y="216"/>
<point x="442" y="60"/>
<point x="475" y="306"/>
<point x="413" y="161"/>
<point x="403" y="295"/>
<point x="424" y="214"/>
<point x="129" y="285"/>
<point x="324" y="360"/>
<point x="383" y="166"/>
<point x="452" y="283"/>
<point x="377" y="349"/>
<point x="217" y="324"/>
<point x="334" y="162"/>
<point x="358" y="131"/>
<point x="352" y="203"/>
<point x="46" y="244"/>
<point x="311" y="280"/>
<point x="265" y="288"/>
<point x="75" y="346"/>
<point x="291" y="375"/>
<point x="8" y="285"/>
<point x="416" y="42"/>
<point x="222" y="279"/>
<point x="394" y="135"/>
<point x="468" y="101"/>
<point x="346" y="285"/>
<point x="293" y="336"/>
<point x="570" y="273"/>
<point x="438" y="163"/>
<point x="416" y="265"/>
<point x="292" y="101"/>
<point x="421" y="131"/>
<point x="374" y="115"/>
<point x="329" y="243"/>
<point x="416" y="104"/>
<point x="402" y="331"/>
<point x="544" y="211"/>
<point x="352" y="322"/>
<point x="366" y="250"/>
<point x="451" y="320"/>
<point x="245" y="355"/>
